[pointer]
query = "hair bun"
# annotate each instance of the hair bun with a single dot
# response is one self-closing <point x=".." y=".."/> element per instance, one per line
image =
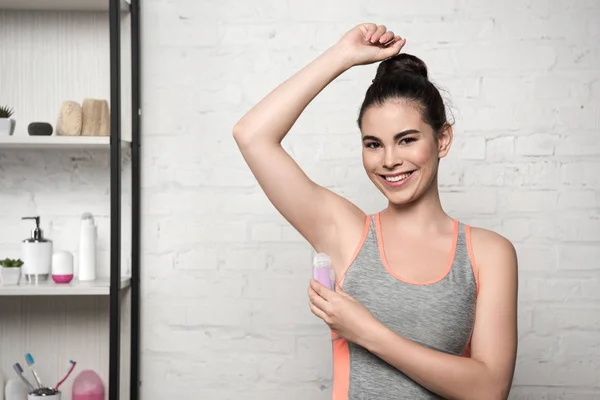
<point x="401" y="64"/>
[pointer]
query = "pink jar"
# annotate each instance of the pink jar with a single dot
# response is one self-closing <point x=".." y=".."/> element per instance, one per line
<point x="88" y="386"/>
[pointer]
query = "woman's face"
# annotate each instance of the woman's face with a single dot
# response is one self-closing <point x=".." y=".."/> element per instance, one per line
<point x="400" y="151"/>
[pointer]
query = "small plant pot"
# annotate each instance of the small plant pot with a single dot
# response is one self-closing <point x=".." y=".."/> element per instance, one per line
<point x="7" y="126"/>
<point x="10" y="276"/>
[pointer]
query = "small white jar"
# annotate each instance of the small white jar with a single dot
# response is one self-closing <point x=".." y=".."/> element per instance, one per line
<point x="62" y="267"/>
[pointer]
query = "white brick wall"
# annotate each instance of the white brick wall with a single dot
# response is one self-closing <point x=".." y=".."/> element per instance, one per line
<point x="225" y="312"/>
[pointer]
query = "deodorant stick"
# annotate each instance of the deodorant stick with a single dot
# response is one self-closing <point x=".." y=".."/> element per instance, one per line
<point x="322" y="269"/>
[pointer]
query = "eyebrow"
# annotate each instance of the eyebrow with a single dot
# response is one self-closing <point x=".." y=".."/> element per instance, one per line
<point x="397" y="136"/>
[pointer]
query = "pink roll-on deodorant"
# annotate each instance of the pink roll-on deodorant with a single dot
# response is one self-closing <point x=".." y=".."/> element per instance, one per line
<point x="322" y="271"/>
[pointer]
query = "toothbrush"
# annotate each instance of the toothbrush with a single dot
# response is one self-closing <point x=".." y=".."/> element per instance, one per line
<point x="30" y="362"/>
<point x="19" y="371"/>
<point x="73" y="363"/>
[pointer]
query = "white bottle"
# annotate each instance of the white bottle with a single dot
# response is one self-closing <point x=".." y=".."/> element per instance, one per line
<point x="16" y="390"/>
<point x="87" y="248"/>
<point x="37" y="254"/>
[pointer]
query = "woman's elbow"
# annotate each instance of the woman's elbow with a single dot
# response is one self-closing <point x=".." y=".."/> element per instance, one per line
<point x="488" y="393"/>
<point x="503" y="391"/>
<point x="498" y="389"/>
<point x="237" y="132"/>
<point x="491" y="389"/>
<point x="241" y="136"/>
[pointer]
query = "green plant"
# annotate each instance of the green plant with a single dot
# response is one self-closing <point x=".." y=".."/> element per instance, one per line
<point x="6" y="112"/>
<point x="10" y="263"/>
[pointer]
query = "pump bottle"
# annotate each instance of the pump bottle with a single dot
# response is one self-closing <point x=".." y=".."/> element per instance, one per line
<point x="37" y="254"/>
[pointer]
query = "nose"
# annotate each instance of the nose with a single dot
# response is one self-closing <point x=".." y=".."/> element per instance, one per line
<point x="391" y="158"/>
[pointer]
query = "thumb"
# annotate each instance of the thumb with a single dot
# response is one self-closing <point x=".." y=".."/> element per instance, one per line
<point x="393" y="49"/>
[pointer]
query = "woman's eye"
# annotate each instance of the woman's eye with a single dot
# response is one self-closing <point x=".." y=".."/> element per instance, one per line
<point x="407" y="140"/>
<point x="372" y="145"/>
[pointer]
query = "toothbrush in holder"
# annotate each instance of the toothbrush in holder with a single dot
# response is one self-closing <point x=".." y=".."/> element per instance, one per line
<point x="73" y="363"/>
<point x="30" y="362"/>
<point x="19" y="371"/>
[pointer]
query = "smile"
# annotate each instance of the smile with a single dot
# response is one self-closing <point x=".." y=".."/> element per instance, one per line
<point x="396" y="180"/>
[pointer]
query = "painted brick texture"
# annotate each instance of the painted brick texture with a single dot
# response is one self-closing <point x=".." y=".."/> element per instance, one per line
<point x="224" y="311"/>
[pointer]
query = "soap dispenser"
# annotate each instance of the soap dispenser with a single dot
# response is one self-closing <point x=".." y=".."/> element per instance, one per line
<point x="37" y="254"/>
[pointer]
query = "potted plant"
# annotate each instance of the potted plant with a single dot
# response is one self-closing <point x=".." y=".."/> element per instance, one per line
<point x="10" y="271"/>
<point x="7" y="125"/>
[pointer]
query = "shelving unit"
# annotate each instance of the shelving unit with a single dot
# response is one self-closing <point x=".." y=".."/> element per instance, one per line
<point x="57" y="142"/>
<point x="73" y="317"/>
<point x="99" y="287"/>
<point x="62" y="5"/>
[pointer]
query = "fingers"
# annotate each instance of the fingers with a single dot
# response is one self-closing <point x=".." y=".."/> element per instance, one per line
<point x="318" y="312"/>
<point x="318" y="301"/>
<point x="386" y="37"/>
<point x="399" y="44"/>
<point x="368" y="30"/>
<point x="394" y="48"/>
<point x="381" y="29"/>
<point x="321" y="290"/>
<point x="379" y="34"/>
<point x="318" y="305"/>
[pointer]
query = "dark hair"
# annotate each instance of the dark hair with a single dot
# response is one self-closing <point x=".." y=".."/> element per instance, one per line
<point x="404" y="77"/>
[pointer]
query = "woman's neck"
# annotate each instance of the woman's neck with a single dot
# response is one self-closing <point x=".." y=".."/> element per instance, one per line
<point x="422" y="216"/>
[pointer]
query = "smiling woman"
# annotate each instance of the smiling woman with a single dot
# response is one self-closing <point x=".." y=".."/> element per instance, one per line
<point x="424" y="306"/>
<point x="405" y="129"/>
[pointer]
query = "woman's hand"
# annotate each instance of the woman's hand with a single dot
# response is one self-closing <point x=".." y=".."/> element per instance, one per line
<point x="344" y="314"/>
<point x="368" y="43"/>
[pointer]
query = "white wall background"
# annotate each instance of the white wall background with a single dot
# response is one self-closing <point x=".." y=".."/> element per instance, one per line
<point x="225" y="312"/>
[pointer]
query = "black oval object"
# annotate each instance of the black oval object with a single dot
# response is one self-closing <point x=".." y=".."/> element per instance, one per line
<point x="39" y="129"/>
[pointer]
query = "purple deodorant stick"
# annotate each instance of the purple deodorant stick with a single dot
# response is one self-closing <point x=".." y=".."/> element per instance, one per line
<point x="322" y="269"/>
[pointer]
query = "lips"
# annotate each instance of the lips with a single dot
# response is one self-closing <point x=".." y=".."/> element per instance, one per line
<point x="396" y="179"/>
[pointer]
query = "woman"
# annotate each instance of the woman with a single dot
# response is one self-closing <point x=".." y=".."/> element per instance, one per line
<point x="424" y="306"/>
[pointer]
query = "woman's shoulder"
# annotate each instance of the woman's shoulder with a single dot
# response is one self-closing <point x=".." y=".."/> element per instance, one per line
<point x="490" y="248"/>
<point x="490" y="240"/>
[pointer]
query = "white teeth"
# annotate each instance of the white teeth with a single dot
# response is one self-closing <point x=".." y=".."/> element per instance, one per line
<point x="397" y="178"/>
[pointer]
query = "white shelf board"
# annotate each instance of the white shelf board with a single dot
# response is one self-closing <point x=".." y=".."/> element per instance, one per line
<point x="54" y="141"/>
<point x="60" y="5"/>
<point x="101" y="286"/>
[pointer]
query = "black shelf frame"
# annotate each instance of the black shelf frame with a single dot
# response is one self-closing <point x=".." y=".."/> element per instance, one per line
<point x="135" y="199"/>
<point x="114" y="379"/>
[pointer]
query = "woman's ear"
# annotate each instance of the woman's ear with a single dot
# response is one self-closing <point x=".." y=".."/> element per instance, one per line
<point x="445" y="140"/>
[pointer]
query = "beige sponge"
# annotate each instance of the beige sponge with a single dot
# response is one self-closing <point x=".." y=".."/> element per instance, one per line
<point x="69" y="119"/>
<point x="96" y="118"/>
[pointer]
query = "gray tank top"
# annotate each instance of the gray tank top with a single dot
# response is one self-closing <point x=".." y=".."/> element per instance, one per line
<point x="438" y="314"/>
